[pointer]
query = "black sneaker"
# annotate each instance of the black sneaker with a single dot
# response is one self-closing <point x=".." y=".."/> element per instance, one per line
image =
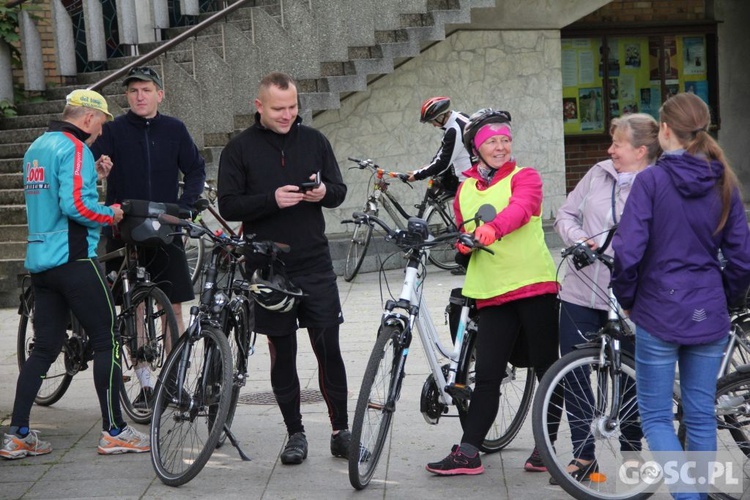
<point x="145" y="399"/>
<point x="295" y="450"/>
<point x="534" y="463"/>
<point x="456" y="463"/>
<point x="340" y="444"/>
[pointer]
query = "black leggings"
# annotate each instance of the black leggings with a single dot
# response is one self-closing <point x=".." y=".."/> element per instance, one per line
<point x="79" y="287"/>
<point x="331" y="376"/>
<point x="499" y="328"/>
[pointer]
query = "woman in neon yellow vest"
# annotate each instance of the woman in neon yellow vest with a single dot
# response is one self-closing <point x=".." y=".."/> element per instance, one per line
<point x="515" y="289"/>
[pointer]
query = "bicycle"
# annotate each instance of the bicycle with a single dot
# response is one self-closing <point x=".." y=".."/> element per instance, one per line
<point x="436" y="208"/>
<point x="146" y="324"/>
<point x="447" y="385"/>
<point x="195" y="249"/>
<point x="198" y="390"/>
<point x="598" y="380"/>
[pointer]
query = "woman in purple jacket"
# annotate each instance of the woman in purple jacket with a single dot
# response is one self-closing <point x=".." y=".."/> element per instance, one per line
<point x="591" y="209"/>
<point x="680" y="213"/>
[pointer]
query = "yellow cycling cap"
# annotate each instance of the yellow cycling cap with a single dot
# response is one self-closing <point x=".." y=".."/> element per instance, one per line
<point x="89" y="99"/>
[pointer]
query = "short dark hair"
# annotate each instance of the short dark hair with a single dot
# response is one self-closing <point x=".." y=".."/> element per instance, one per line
<point x="277" y="79"/>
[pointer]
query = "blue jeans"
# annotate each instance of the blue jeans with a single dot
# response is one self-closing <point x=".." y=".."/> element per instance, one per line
<point x="655" y="373"/>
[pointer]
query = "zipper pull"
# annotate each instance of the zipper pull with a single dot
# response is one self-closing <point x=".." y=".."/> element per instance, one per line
<point x="283" y="163"/>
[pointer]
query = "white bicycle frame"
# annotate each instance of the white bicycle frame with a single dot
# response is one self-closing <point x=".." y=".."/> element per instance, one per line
<point x="428" y="334"/>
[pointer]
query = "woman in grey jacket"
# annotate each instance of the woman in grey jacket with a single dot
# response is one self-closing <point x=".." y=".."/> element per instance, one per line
<point x="591" y="209"/>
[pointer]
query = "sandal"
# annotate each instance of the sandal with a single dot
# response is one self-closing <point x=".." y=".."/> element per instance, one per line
<point x="582" y="471"/>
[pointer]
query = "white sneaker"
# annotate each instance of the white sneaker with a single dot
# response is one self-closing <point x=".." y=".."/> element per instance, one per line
<point x="16" y="447"/>
<point x="128" y="440"/>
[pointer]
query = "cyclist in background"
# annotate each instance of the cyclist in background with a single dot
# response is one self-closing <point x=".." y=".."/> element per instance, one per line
<point x="452" y="159"/>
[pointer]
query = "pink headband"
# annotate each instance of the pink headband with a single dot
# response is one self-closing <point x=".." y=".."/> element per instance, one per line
<point x="490" y="130"/>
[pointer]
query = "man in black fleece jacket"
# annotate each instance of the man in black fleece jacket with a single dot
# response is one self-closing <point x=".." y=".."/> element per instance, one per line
<point x="260" y="171"/>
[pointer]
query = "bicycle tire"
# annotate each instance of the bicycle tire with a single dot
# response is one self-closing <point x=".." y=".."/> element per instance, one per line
<point x="441" y="221"/>
<point x="376" y="405"/>
<point x="516" y="395"/>
<point x="182" y="438"/>
<point x="194" y="252"/>
<point x="566" y="374"/>
<point x="733" y="413"/>
<point x="57" y="380"/>
<point x="152" y="312"/>
<point x="239" y="331"/>
<point x="358" y="245"/>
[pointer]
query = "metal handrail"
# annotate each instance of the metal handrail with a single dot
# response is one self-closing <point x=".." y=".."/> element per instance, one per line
<point x="167" y="45"/>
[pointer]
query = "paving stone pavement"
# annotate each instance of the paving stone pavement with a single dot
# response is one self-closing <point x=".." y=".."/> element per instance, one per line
<point x="74" y="470"/>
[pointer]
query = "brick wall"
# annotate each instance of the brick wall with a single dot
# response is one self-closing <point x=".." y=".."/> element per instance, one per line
<point x="583" y="152"/>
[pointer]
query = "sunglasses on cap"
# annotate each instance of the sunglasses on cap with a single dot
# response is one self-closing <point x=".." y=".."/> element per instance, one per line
<point x="143" y="73"/>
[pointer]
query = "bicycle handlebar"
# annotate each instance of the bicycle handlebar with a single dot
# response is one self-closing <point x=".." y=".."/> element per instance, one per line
<point x="584" y="256"/>
<point x="417" y="235"/>
<point x="369" y="164"/>
<point x="268" y="248"/>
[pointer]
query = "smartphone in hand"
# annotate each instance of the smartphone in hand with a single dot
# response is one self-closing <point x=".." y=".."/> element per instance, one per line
<point x="310" y="184"/>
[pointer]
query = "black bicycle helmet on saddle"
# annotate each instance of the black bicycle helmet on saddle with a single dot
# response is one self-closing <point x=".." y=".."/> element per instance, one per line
<point x="273" y="291"/>
<point x="434" y="107"/>
<point x="479" y="120"/>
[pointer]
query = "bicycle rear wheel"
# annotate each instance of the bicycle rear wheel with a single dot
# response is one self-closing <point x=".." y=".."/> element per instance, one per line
<point x="733" y="415"/>
<point x="192" y="402"/>
<point x="441" y="220"/>
<point x="145" y="349"/>
<point x="355" y="256"/>
<point x="516" y="394"/>
<point x="587" y="388"/>
<point x="239" y="333"/>
<point x="57" y="380"/>
<point x="381" y="386"/>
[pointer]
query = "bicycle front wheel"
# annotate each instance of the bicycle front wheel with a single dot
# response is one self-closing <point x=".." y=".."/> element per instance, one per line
<point x="192" y="402"/>
<point x="733" y="415"/>
<point x="441" y="220"/>
<point x="376" y="405"/>
<point x="145" y="350"/>
<point x="57" y="380"/>
<point x="516" y="394"/>
<point x="587" y="426"/>
<point x="194" y="251"/>
<point x="355" y="256"/>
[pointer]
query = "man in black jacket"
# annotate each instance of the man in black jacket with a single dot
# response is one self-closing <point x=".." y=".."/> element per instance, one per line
<point x="150" y="153"/>
<point x="260" y="173"/>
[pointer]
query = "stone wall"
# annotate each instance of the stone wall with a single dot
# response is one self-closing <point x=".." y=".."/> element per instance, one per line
<point x="518" y="71"/>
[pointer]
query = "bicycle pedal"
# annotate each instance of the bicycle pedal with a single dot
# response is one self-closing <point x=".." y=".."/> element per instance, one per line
<point x="459" y="391"/>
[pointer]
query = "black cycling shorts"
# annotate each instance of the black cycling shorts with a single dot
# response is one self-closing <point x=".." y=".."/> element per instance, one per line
<point x="167" y="266"/>
<point x="319" y="308"/>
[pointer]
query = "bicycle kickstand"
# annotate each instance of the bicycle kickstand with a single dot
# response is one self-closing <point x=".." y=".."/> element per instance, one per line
<point x="236" y="444"/>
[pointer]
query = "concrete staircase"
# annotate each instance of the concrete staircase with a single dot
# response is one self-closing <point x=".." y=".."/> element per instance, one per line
<point x="332" y="47"/>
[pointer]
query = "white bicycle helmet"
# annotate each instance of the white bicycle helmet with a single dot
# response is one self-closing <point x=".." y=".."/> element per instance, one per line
<point x="273" y="291"/>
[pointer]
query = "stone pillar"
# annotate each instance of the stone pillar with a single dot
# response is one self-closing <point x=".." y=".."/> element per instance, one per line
<point x="161" y="17"/>
<point x="96" y="48"/>
<point x="127" y="22"/>
<point x="31" y="53"/>
<point x="64" y="40"/>
<point x="189" y="7"/>
<point x="6" y="73"/>
<point x="144" y="19"/>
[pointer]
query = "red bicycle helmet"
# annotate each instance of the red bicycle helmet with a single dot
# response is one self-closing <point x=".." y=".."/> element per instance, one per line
<point x="434" y="107"/>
